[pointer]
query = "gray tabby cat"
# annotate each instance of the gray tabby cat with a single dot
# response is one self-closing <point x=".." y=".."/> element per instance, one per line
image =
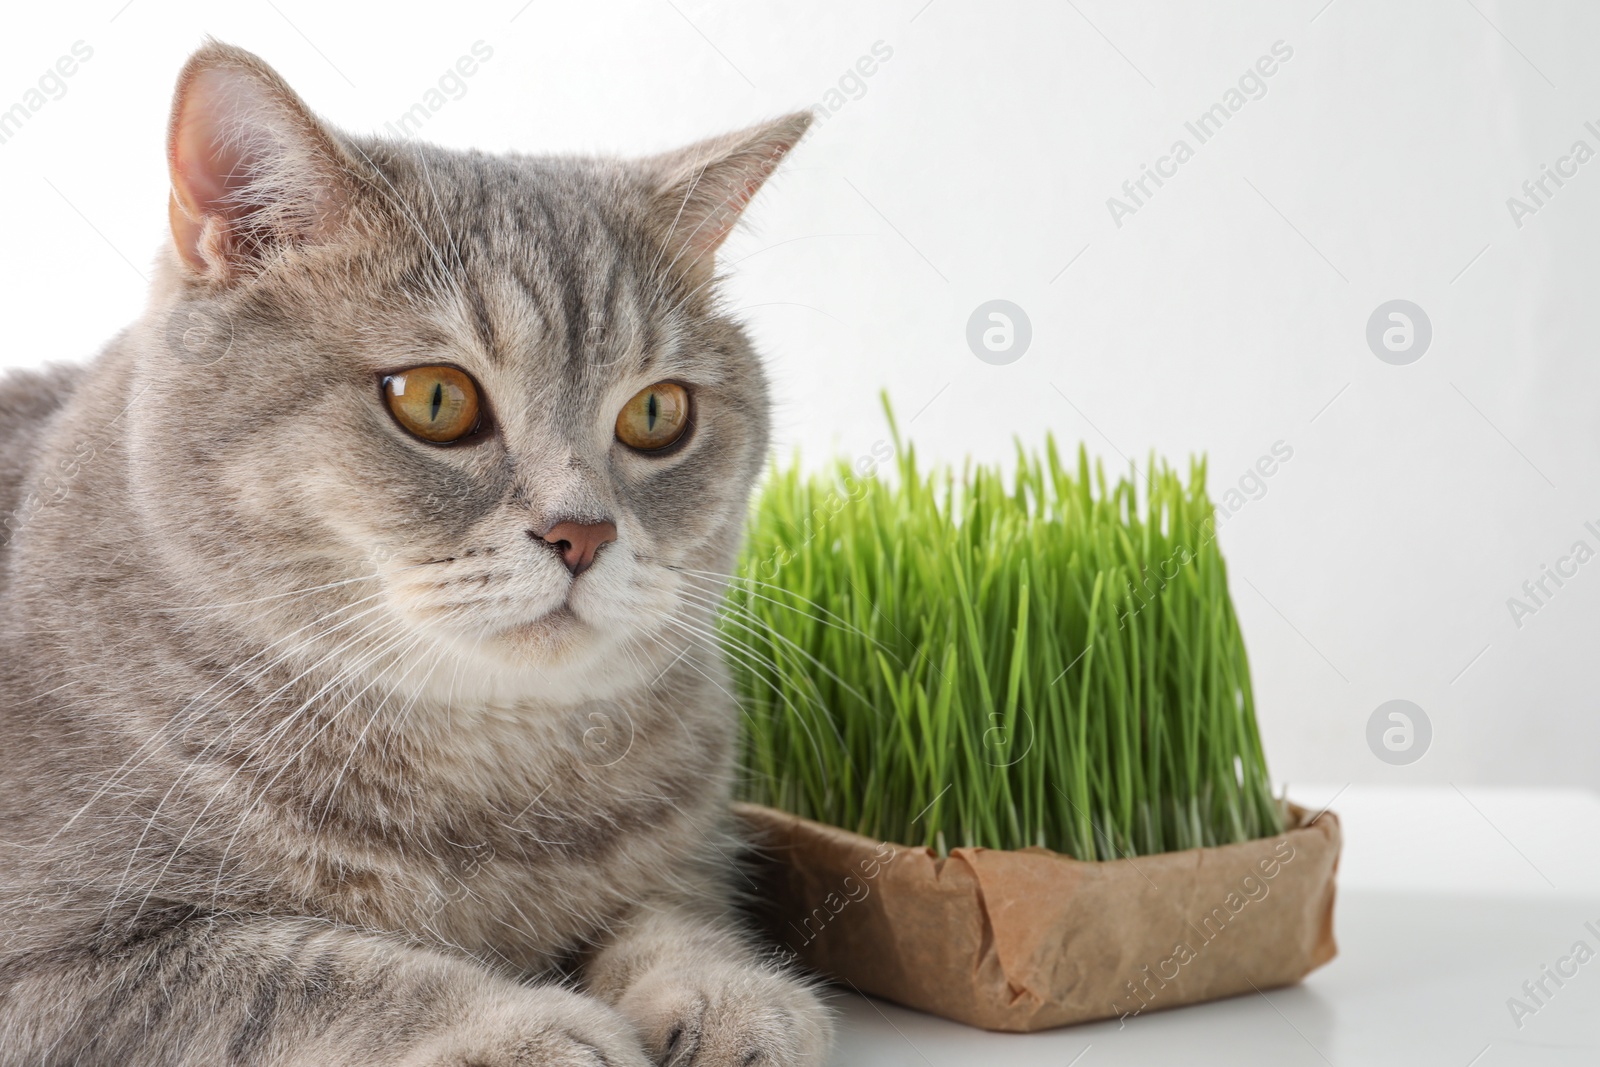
<point x="357" y="697"/>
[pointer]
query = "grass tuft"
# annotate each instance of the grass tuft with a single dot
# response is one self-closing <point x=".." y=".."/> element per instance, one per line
<point x="974" y="660"/>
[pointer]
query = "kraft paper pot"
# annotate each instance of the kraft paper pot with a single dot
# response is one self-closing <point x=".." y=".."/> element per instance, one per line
<point x="1032" y="939"/>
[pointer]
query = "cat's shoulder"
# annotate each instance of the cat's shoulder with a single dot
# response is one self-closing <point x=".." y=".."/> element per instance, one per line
<point x="30" y="399"/>
<point x="33" y="393"/>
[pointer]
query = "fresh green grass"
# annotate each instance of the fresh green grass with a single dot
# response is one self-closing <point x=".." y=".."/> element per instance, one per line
<point x="943" y="659"/>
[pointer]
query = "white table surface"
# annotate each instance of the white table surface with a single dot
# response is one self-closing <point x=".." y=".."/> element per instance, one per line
<point x="1449" y="900"/>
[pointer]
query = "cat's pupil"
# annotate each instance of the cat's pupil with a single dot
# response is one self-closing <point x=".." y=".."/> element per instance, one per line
<point x="651" y="407"/>
<point x="438" y="400"/>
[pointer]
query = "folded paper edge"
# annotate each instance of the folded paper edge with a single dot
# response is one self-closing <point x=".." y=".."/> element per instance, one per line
<point x="1003" y="1012"/>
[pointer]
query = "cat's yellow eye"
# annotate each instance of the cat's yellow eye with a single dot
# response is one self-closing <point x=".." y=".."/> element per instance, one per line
<point x="438" y="404"/>
<point x="655" y="418"/>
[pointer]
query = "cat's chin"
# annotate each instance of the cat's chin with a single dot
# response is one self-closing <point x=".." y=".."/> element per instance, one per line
<point x="556" y="637"/>
<point x="562" y="641"/>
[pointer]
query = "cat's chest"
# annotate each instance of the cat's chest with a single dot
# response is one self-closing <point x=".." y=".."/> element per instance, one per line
<point x="529" y="861"/>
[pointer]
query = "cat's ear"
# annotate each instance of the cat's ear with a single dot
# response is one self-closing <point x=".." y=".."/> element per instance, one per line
<point x="701" y="190"/>
<point x="253" y="170"/>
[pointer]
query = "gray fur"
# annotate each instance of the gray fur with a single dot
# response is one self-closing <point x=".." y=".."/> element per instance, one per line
<point x="297" y="769"/>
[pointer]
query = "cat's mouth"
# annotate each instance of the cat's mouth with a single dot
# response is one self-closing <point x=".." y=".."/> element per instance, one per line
<point x="562" y="615"/>
<point x="552" y="632"/>
<point x="559" y="636"/>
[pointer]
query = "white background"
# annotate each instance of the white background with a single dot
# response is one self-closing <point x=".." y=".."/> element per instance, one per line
<point x="1226" y="314"/>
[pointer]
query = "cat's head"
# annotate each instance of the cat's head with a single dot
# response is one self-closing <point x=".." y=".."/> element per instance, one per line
<point x="476" y="409"/>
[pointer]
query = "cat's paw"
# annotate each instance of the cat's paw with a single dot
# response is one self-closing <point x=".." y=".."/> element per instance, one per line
<point x="548" y="1028"/>
<point x="728" y="1015"/>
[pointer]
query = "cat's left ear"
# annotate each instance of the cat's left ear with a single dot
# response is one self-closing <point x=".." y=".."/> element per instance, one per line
<point x="253" y="170"/>
<point x="701" y="190"/>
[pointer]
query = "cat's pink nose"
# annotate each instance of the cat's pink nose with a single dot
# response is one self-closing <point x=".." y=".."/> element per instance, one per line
<point x="578" y="542"/>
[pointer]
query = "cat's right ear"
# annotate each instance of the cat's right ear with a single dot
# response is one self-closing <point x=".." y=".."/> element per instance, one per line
<point x="254" y="172"/>
<point x="703" y="189"/>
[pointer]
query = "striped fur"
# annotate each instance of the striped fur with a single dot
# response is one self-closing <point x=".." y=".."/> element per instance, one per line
<point x="312" y="753"/>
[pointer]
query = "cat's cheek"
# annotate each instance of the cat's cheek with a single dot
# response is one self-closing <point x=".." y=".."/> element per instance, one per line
<point x="699" y="495"/>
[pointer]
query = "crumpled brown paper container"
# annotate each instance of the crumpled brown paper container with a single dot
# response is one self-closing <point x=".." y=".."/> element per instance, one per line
<point x="1032" y="939"/>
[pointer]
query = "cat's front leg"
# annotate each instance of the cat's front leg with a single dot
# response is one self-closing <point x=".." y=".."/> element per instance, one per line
<point x="289" y="993"/>
<point x="701" y="995"/>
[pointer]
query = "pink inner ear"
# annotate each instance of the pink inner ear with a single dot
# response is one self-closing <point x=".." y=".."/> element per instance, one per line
<point x="713" y="182"/>
<point x="208" y="163"/>
<point x="722" y="204"/>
